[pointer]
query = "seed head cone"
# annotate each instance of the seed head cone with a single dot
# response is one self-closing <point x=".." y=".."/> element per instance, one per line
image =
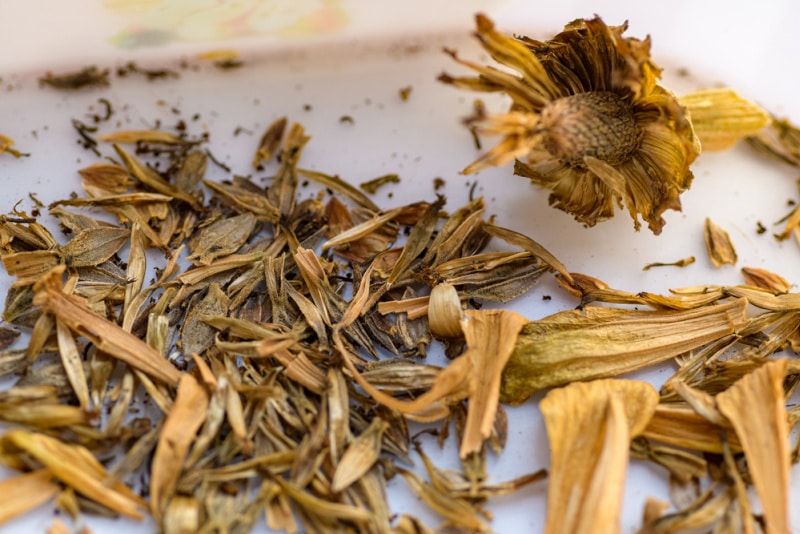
<point x="588" y="121"/>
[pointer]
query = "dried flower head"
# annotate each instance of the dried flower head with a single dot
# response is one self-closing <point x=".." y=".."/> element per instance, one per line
<point x="588" y="121"/>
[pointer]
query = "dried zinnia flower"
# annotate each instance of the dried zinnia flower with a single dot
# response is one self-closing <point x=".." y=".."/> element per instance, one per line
<point x="588" y="121"/>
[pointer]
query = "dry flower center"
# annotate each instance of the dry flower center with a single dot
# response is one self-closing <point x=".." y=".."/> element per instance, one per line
<point x="598" y="124"/>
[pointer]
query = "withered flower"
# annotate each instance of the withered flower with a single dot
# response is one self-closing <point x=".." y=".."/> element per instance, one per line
<point x="588" y="121"/>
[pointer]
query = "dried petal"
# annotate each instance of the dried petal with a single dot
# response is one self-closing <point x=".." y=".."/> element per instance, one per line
<point x="590" y="426"/>
<point x="183" y="421"/>
<point x="755" y="406"/>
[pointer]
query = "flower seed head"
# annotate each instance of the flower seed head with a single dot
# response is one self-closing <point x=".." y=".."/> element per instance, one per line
<point x="598" y="124"/>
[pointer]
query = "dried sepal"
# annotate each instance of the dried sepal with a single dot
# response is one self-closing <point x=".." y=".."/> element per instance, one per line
<point x="191" y="172"/>
<point x="73" y="364"/>
<point x="221" y="238"/>
<point x="781" y="141"/>
<point x="720" y="117"/>
<point x="602" y="342"/>
<point x="105" y="178"/>
<point x="93" y="246"/>
<point x="360" y="456"/>
<point x="765" y="279"/>
<point x="154" y="180"/>
<point x="718" y="244"/>
<point x="457" y="511"/>
<point x="589" y="427"/>
<point x="270" y="142"/>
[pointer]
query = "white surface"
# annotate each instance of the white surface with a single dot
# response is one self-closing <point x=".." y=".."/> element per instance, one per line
<point x="358" y="71"/>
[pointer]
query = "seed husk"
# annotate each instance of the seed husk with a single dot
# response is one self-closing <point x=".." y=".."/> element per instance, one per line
<point x="718" y="244"/>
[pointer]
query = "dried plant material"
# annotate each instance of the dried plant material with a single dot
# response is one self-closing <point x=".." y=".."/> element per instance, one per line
<point x="108" y="337"/>
<point x="263" y="322"/>
<point x="702" y="514"/>
<point x="7" y="337"/>
<point x="93" y="246"/>
<point x="457" y="511"/>
<point x="153" y="180"/>
<point x="781" y="141"/>
<point x="491" y="336"/>
<point x="405" y="92"/>
<point x="183" y="516"/>
<point x="183" y="421"/>
<point x="155" y="137"/>
<point x="603" y="342"/>
<point x="682" y="426"/>
<point x="100" y="179"/>
<point x="7" y="144"/>
<point x="221" y="238"/>
<point x="76" y="467"/>
<point x="191" y="172"/>
<point x="589" y="427"/>
<point x="372" y="186"/>
<point x="25" y="492"/>
<point x="88" y="77"/>
<point x="360" y="456"/>
<point x="680" y="263"/>
<point x="444" y="311"/>
<point x="755" y="406"/>
<point x="682" y="465"/>
<point x="262" y="377"/>
<point x="718" y="244"/>
<point x="73" y="364"/>
<point x="765" y="279"/>
<point x="195" y="333"/>
<point x="721" y="117"/>
<point x="587" y="137"/>
<point x="270" y="142"/>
